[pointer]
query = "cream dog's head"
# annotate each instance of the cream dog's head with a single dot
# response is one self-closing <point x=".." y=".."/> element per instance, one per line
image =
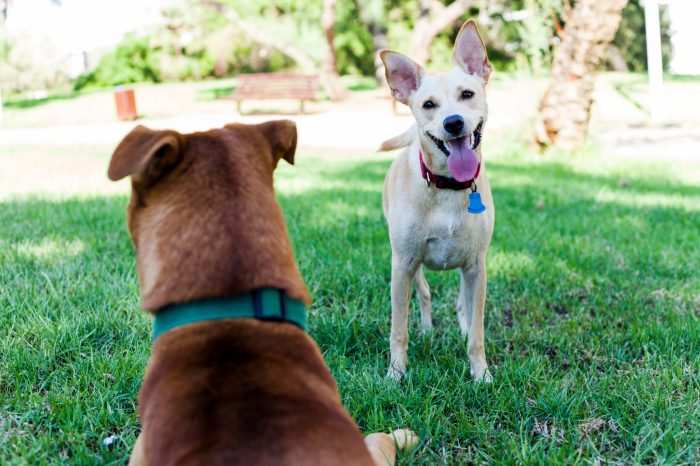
<point x="450" y="108"/>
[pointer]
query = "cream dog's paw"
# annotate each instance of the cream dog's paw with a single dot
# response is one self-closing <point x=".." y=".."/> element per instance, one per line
<point x="482" y="375"/>
<point x="395" y="373"/>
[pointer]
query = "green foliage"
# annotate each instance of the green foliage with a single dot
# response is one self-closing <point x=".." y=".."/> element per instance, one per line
<point x="134" y="60"/>
<point x="294" y="22"/>
<point x="353" y="41"/>
<point x="525" y="41"/>
<point x="23" y="64"/>
<point x="631" y="37"/>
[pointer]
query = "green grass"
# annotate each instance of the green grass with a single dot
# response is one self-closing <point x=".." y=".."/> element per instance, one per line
<point x="593" y="331"/>
<point x="215" y="89"/>
<point x="23" y="102"/>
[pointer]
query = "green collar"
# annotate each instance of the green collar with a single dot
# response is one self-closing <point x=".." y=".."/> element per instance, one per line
<point x="262" y="304"/>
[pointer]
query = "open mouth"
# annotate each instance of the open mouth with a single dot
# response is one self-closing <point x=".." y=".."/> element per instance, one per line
<point x="461" y="155"/>
<point x="474" y="139"/>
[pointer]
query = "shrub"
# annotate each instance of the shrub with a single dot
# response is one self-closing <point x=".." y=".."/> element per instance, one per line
<point x="134" y="60"/>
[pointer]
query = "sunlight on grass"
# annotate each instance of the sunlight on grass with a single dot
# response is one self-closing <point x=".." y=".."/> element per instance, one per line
<point x="301" y="186"/>
<point x="501" y="262"/>
<point x="50" y="249"/>
<point x="56" y="172"/>
<point x="592" y="312"/>
<point x="635" y="199"/>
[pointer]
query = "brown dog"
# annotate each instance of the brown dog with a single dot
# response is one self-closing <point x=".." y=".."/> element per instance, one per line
<point x="207" y="229"/>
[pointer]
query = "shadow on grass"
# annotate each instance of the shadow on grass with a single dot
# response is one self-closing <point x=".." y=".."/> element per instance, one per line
<point x="556" y="237"/>
<point x="553" y="228"/>
<point x="588" y="281"/>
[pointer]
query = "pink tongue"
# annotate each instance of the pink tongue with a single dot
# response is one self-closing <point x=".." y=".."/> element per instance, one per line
<point x="462" y="161"/>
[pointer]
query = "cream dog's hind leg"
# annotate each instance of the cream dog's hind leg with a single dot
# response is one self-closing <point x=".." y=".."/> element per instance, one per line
<point x="426" y="319"/>
<point x="470" y="313"/>
<point x="382" y="447"/>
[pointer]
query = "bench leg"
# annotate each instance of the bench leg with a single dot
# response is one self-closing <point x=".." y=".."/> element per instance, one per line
<point x="238" y="107"/>
<point x="301" y="106"/>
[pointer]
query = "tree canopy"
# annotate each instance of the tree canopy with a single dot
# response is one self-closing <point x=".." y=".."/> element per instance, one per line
<point x="216" y="38"/>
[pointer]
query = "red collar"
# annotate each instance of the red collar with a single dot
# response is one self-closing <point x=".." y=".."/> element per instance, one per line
<point x="443" y="182"/>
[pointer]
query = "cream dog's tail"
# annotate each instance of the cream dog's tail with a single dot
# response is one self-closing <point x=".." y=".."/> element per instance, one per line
<point x="402" y="140"/>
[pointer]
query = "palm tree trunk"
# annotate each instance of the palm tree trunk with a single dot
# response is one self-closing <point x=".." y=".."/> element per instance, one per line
<point x="566" y="105"/>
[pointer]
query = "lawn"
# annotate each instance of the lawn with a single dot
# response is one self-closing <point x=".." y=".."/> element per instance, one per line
<point x="592" y="323"/>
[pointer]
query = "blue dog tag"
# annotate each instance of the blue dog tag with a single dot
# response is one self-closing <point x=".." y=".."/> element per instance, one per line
<point x="475" y="205"/>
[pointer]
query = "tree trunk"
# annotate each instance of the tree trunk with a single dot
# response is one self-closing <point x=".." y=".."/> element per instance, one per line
<point x="335" y="89"/>
<point x="566" y="105"/>
<point x="374" y="19"/>
<point x="433" y="18"/>
<point x="615" y="60"/>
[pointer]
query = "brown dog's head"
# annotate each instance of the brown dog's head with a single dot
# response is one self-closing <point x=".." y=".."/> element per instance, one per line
<point x="203" y="215"/>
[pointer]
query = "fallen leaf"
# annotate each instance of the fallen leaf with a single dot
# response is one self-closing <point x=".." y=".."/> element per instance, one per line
<point x="590" y="426"/>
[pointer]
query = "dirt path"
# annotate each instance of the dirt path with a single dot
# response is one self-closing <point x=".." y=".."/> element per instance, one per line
<point x="619" y="121"/>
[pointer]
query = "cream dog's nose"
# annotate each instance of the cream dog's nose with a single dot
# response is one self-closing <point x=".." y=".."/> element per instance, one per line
<point x="453" y="124"/>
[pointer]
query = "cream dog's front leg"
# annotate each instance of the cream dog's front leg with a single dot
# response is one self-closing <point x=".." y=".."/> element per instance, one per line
<point x="401" y="276"/>
<point x="470" y="310"/>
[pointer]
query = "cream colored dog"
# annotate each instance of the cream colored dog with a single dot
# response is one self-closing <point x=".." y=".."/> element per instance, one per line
<point x="431" y="192"/>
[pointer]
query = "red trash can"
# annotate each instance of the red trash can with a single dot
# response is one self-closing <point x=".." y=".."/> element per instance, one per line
<point x="126" y="103"/>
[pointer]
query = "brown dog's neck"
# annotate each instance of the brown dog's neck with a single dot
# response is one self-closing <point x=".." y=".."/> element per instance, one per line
<point x="191" y="248"/>
<point x="228" y="262"/>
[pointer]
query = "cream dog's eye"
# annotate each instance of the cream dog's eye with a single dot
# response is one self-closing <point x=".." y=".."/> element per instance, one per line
<point x="467" y="94"/>
<point x="429" y="104"/>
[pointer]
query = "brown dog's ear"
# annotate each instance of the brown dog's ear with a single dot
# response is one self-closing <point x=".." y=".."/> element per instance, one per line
<point x="145" y="154"/>
<point x="470" y="53"/>
<point x="281" y="135"/>
<point x="403" y="74"/>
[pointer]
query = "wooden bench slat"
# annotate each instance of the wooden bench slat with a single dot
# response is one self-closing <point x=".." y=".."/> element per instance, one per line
<point x="267" y="86"/>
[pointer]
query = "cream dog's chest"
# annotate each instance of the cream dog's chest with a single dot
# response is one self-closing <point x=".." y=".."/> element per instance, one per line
<point x="453" y="238"/>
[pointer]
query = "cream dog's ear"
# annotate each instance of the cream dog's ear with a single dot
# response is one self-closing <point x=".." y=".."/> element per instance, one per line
<point x="470" y="53"/>
<point x="403" y="74"/>
<point x="145" y="154"/>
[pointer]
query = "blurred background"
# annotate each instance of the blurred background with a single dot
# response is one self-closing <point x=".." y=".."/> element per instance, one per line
<point x="631" y="65"/>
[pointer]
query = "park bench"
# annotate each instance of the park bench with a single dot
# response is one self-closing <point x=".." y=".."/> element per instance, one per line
<point x="274" y="86"/>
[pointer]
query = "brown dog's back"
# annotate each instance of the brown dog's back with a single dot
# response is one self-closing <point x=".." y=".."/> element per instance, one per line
<point x="244" y="392"/>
